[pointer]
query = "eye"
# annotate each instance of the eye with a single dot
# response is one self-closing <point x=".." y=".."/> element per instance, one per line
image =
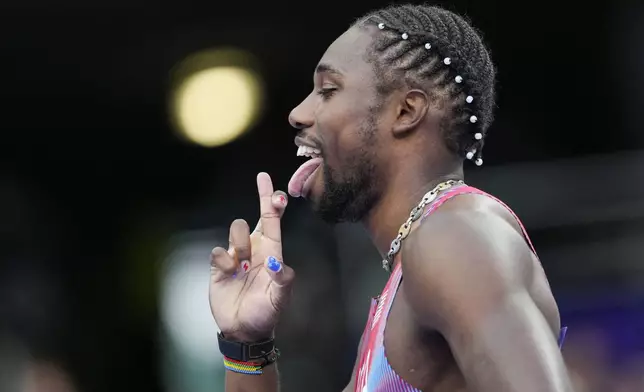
<point x="326" y="93"/>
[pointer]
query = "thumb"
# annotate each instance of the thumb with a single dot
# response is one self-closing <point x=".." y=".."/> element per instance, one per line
<point x="281" y="274"/>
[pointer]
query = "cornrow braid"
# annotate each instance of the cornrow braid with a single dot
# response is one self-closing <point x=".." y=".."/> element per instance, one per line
<point x="437" y="50"/>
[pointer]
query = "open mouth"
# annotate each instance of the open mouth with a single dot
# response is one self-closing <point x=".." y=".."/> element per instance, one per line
<point x="306" y="151"/>
<point x="302" y="180"/>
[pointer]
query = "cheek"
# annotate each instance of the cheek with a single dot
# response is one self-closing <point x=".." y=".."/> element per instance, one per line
<point x="341" y="146"/>
<point x="340" y="132"/>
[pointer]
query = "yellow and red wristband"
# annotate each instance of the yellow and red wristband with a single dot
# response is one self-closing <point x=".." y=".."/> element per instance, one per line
<point x="243" y="367"/>
<point x="250" y="367"/>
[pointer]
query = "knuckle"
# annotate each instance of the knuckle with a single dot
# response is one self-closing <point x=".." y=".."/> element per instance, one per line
<point x="270" y="215"/>
<point x="243" y="249"/>
<point x="228" y="269"/>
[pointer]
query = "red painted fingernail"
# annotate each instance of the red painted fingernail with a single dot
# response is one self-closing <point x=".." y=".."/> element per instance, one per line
<point x="282" y="199"/>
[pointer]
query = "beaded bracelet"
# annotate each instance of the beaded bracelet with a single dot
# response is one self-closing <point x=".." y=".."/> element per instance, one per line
<point x="250" y="367"/>
<point x="243" y="367"/>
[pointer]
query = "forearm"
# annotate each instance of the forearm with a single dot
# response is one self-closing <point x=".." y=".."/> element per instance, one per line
<point x="268" y="381"/>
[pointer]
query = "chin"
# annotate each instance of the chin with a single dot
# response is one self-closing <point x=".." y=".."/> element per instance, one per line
<point x="314" y="199"/>
<point x="320" y="206"/>
<point x="336" y="198"/>
<point x="317" y="188"/>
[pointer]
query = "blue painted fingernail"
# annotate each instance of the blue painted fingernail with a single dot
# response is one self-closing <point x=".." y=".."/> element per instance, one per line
<point x="273" y="264"/>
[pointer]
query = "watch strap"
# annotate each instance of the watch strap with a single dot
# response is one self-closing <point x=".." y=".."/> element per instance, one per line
<point x="245" y="351"/>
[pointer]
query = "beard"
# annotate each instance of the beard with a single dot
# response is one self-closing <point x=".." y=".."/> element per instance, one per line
<point x="351" y="192"/>
<point x="347" y="198"/>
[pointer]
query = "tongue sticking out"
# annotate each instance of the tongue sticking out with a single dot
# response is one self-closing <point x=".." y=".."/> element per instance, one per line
<point x="296" y="185"/>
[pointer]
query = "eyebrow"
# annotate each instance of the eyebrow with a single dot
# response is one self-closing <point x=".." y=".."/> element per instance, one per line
<point x="326" y="68"/>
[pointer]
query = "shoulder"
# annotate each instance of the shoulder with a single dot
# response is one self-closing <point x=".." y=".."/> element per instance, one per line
<point x="471" y="231"/>
<point x="469" y="254"/>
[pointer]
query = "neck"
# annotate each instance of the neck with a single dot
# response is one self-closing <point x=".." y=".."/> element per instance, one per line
<point x="403" y="193"/>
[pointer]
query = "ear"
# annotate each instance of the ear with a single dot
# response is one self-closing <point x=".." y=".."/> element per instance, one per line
<point x="412" y="110"/>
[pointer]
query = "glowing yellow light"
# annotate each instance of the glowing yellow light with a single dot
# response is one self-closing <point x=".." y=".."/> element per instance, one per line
<point x="216" y="105"/>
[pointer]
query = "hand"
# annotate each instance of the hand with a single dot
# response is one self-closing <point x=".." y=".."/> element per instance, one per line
<point x="249" y="283"/>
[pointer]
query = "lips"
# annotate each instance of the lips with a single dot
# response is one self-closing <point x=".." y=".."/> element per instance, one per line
<point x="300" y="182"/>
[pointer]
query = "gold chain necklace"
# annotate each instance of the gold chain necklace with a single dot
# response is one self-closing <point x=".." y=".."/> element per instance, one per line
<point x="414" y="215"/>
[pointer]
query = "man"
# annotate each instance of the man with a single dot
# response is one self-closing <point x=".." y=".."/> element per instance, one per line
<point x="400" y="101"/>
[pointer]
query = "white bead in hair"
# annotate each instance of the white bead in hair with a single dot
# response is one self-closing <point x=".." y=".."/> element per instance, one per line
<point x="405" y="35"/>
<point x="447" y="61"/>
<point x="381" y="26"/>
<point x="478" y="136"/>
<point x="469" y="99"/>
<point x="479" y="162"/>
<point x="473" y="119"/>
<point x="470" y="154"/>
<point x="428" y="46"/>
<point x="458" y="79"/>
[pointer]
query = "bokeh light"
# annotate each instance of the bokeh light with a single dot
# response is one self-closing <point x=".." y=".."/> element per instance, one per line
<point x="185" y="309"/>
<point x="191" y="360"/>
<point x="216" y="97"/>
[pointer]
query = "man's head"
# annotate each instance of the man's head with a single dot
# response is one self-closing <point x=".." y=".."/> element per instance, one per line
<point x="404" y="84"/>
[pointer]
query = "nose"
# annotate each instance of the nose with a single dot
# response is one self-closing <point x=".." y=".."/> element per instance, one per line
<point x="301" y="117"/>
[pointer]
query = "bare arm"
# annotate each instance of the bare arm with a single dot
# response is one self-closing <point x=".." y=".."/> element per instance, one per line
<point x="269" y="380"/>
<point x="467" y="276"/>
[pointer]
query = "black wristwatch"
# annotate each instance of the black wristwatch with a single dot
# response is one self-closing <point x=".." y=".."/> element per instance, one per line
<point x="245" y="352"/>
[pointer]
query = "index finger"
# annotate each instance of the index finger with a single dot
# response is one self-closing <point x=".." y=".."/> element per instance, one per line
<point x="270" y="216"/>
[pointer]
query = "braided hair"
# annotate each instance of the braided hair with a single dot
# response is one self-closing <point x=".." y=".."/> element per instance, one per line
<point x="434" y="49"/>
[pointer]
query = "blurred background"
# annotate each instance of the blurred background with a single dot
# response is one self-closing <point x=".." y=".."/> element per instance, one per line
<point x="132" y="134"/>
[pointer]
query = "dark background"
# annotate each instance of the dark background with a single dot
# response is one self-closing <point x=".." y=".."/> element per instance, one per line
<point x="95" y="187"/>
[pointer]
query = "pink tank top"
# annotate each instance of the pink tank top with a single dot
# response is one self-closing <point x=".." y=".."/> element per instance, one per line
<point x="374" y="372"/>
